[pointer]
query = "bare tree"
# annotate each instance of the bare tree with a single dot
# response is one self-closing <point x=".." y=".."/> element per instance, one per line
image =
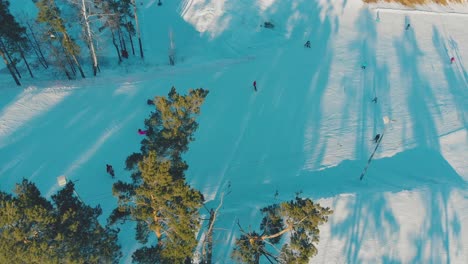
<point x="137" y="25"/>
<point x="83" y="7"/>
<point x="207" y="243"/>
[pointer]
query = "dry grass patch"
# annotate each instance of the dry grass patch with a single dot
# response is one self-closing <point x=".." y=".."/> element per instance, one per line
<point x="418" y="2"/>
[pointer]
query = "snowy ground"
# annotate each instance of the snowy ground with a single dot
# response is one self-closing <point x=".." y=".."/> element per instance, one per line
<point x="308" y="128"/>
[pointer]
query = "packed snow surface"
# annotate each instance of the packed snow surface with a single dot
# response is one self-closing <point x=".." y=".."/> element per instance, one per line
<point x="308" y="128"/>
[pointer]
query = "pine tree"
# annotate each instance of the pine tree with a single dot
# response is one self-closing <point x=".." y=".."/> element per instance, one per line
<point x="299" y="217"/>
<point x="25" y="221"/>
<point x="64" y="48"/>
<point x="34" y="230"/>
<point x="158" y="199"/>
<point x="12" y="40"/>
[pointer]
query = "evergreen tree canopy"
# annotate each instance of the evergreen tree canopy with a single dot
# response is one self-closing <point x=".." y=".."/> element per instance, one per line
<point x="10" y="31"/>
<point x="34" y="230"/>
<point x="299" y="217"/>
<point x="158" y="198"/>
<point x="49" y="14"/>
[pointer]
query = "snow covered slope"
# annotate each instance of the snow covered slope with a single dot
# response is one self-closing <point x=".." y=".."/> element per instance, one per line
<point x="308" y="128"/>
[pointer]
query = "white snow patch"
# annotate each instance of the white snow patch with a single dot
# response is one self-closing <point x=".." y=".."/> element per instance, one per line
<point x="31" y="103"/>
<point x="454" y="148"/>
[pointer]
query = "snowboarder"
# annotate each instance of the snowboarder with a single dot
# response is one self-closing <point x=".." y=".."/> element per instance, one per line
<point x="255" y="85"/>
<point x="142" y="132"/>
<point x="408" y="26"/>
<point x="374" y="100"/>
<point x="452" y="60"/>
<point x="307" y="44"/>
<point x="150" y="102"/>
<point x="376" y="138"/>
<point x="110" y="170"/>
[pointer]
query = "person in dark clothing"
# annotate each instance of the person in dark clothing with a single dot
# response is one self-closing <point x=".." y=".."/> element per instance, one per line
<point x="307" y="44"/>
<point x="374" y="100"/>
<point x="408" y="26"/>
<point x="150" y="102"/>
<point x="452" y="60"/>
<point x="376" y="138"/>
<point x="110" y="170"/>
<point x="255" y="85"/>
<point x="125" y="54"/>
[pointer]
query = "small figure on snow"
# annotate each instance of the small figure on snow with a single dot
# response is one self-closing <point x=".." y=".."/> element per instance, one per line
<point x="150" y="102"/>
<point x="376" y="138"/>
<point x="110" y="170"/>
<point x="363" y="66"/>
<point x="307" y="44"/>
<point x="125" y="54"/>
<point x="407" y="26"/>
<point x="452" y="60"/>
<point x="142" y="132"/>
<point x="374" y="100"/>
<point x="268" y="25"/>
<point x="255" y="85"/>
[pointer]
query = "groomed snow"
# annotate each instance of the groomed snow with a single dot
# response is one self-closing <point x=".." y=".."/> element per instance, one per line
<point x="308" y="128"/>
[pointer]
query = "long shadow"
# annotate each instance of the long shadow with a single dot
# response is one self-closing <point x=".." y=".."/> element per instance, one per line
<point x="372" y="79"/>
<point x="421" y="98"/>
<point x="266" y="128"/>
<point x="436" y="228"/>
<point x="369" y="216"/>
<point x="455" y="81"/>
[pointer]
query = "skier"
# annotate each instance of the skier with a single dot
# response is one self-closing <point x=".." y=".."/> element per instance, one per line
<point x="374" y="100"/>
<point x="150" y="102"/>
<point x="307" y="44"/>
<point x="142" y="132"/>
<point x="452" y="60"/>
<point x="110" y="170"/>
<point x="255" y="85"/>
<point x="376" y="138"/>
<point x="363" y="66"/>
<point x="408" y="26"/>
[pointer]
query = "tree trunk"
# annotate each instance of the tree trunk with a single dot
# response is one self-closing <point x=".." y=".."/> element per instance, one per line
<point x="116" y="46"/>
<point x="12" y="63"/>
<point x="130" y="36"/>
<point x="90" y="38"/>
<point x="25" y="61"/>
<point x="38" y="47"/>
<point x="209" y="239"/>
<point x="67" y="57"/>
<point x="78" y="65"/>
<point x="131" y="42"/>
<point x="9" y="68"/>
<point x="137" y="27"/>
<point x="36" y="51"/>
<point x="122" y="40"/>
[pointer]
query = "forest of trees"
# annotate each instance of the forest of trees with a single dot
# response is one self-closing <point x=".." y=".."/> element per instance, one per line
<point x="56" y="37"/>
<point x="163" y="206"/>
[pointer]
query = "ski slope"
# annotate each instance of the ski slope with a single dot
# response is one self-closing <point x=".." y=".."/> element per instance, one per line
<point x="308" y="129"/>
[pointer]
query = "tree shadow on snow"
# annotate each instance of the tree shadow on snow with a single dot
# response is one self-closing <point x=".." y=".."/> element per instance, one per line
<point x="372" y="223"/>
<point x="456" y="81"/>
<point x="421" y="99"/>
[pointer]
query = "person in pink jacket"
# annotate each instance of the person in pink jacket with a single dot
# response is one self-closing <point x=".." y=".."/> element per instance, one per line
<point x="142" y="132"/>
